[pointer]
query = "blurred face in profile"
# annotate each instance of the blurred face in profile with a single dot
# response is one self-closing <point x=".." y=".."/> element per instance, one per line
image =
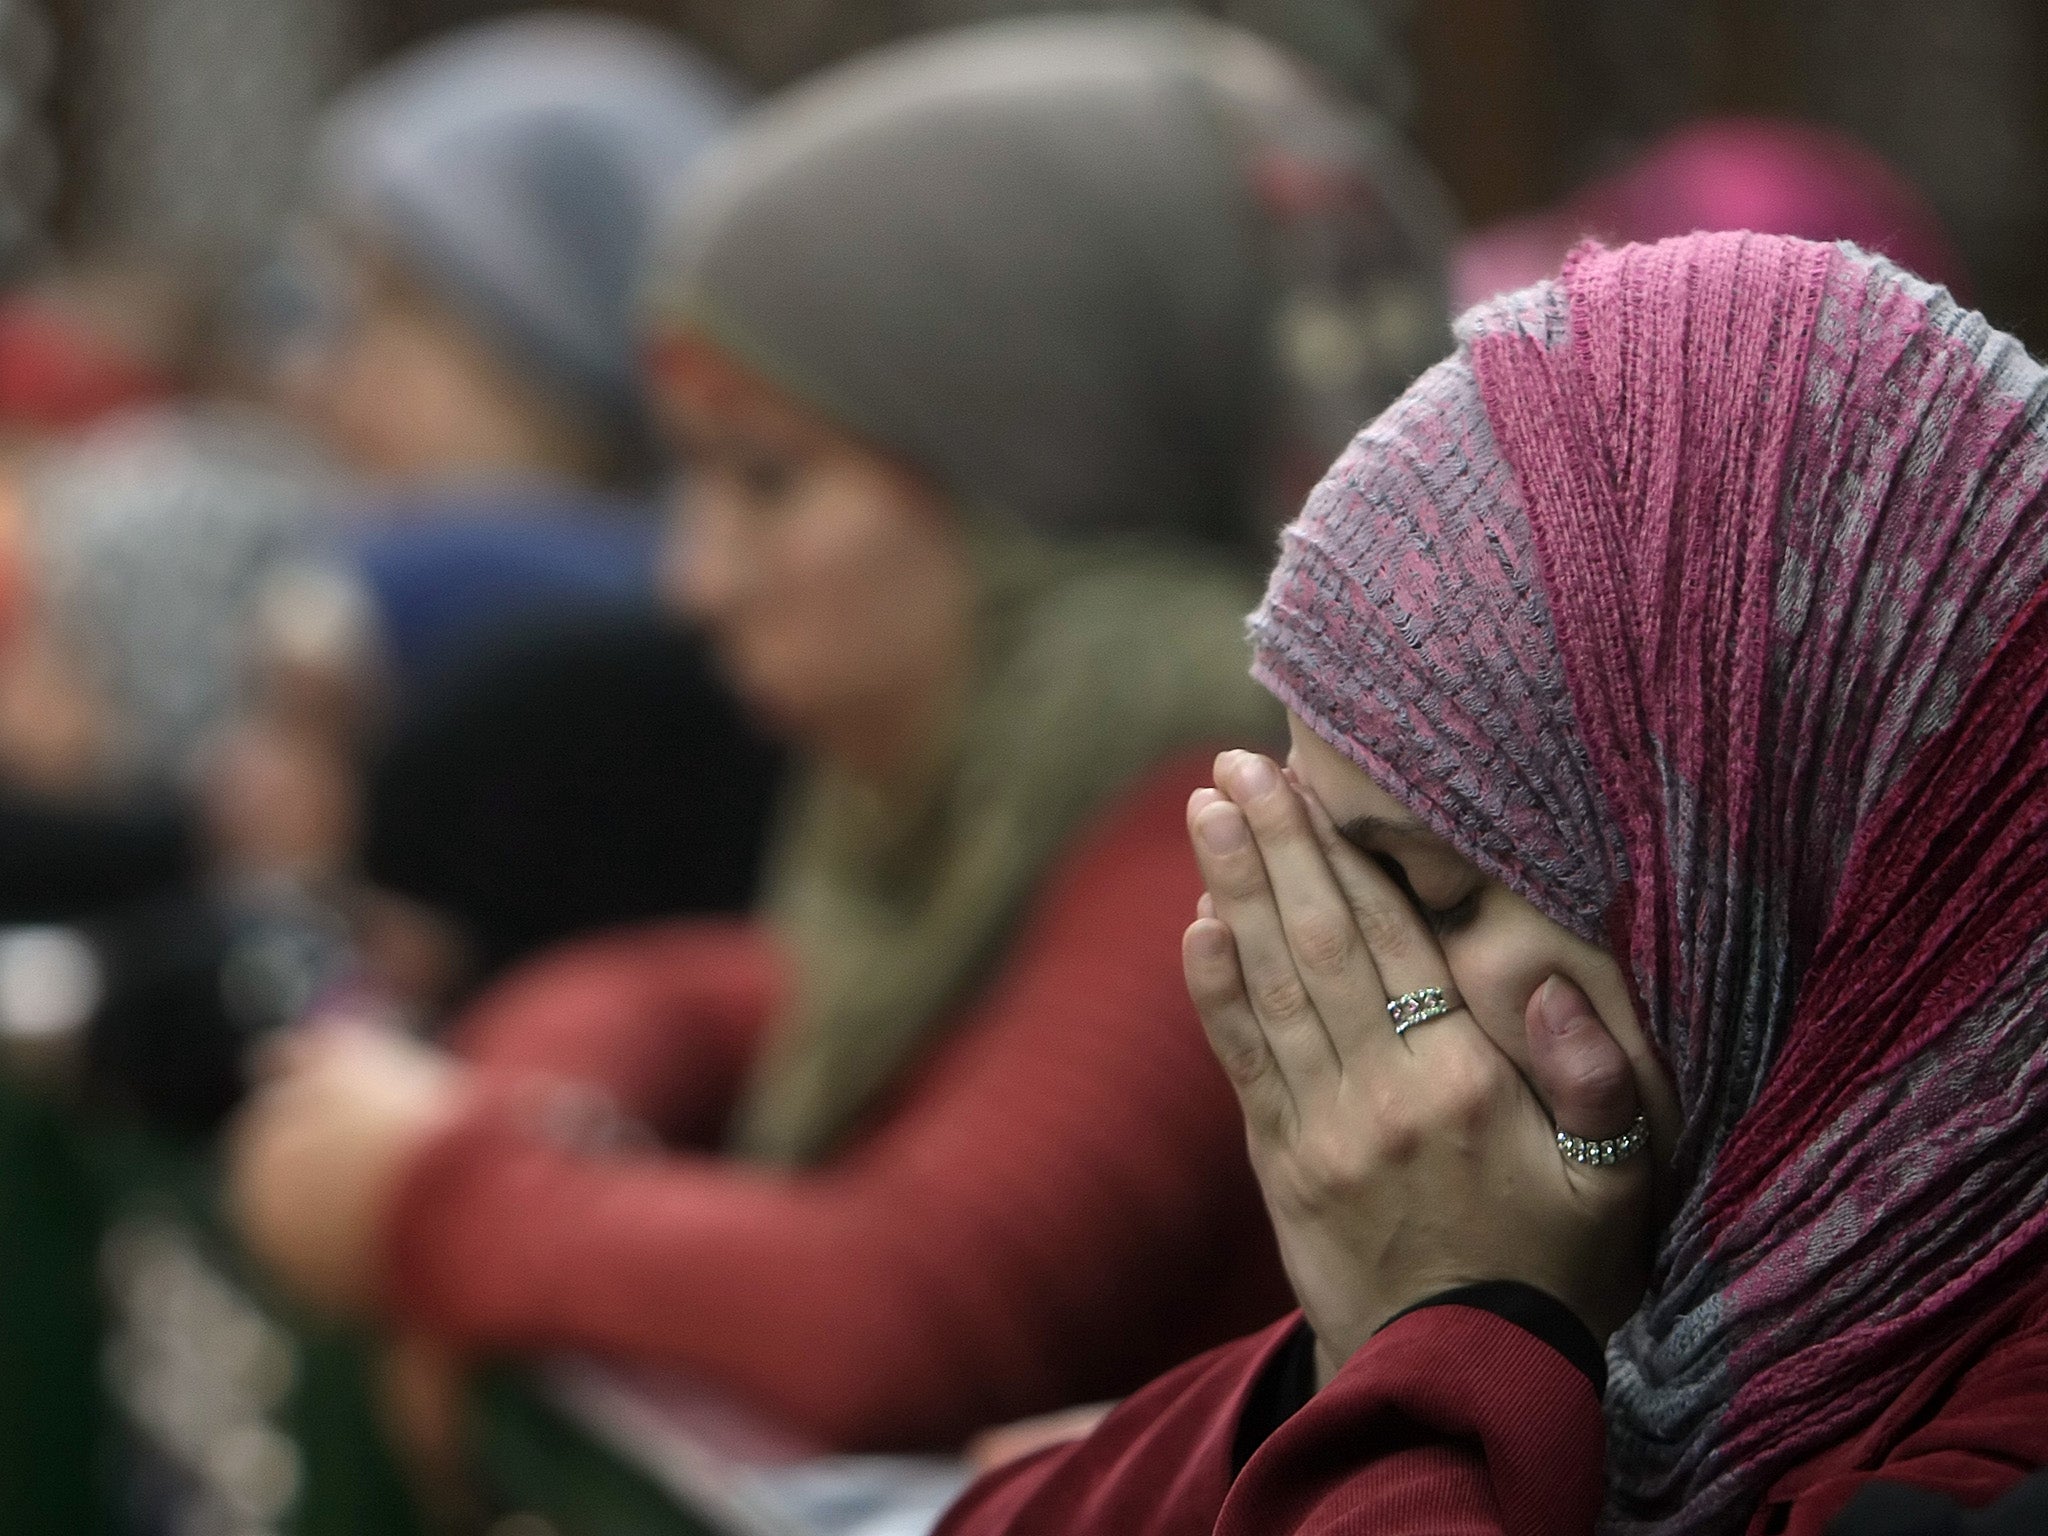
<point x="834" y="583"/>
<point x="405" y="391"/>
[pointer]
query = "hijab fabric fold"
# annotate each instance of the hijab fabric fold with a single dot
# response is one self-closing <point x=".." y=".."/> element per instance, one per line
<point x="1702" y="597"/>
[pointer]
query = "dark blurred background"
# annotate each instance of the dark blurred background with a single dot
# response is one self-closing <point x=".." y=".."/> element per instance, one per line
<point x="171" y="129"/>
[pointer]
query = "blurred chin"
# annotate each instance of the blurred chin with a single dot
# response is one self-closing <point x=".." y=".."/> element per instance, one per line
<point x="776" y="694"/>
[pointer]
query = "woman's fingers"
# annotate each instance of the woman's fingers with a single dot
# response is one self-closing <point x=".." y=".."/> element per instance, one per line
<point x="1236" y="877"/>
<point x="1209" y="962"/>
<point x="1577" y="1066"/>
<point x="1408" y="955"/>
<point x="1405" y="953"/>
<point x="1330" y="956"/>
<point x="1579" y="1069"/>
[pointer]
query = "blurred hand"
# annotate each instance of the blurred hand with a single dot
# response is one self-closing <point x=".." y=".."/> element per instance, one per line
<point x="1396" y="1167"/>
<point x="315" y="1155"/>
<point x="1006" y="1443"/>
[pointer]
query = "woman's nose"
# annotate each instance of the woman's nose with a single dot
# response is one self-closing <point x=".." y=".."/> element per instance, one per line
<point x="703" y="562"/>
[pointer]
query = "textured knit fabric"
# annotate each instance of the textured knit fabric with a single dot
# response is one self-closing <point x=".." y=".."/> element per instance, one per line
<point x="1700" y="599"/>
<point x="1103" y="274"/>
<point x="514" y="171"/>
<point x="1450" y="1420"/>
<point x="1056" y="1207"/>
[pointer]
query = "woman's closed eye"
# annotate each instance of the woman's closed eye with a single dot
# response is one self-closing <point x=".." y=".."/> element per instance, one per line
<point x="1441" y="920"/>
<point x="766" y="478"/>
<point x="759" y="477"/>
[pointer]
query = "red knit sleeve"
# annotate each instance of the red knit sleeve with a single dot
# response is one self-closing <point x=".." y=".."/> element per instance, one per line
<point x="1056" y="1207"/>
<point x="1452" y="1421"/>
<point x="664" y="1020"/>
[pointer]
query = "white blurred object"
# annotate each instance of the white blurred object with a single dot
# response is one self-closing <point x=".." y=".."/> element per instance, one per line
<point x="50" y="983"/>
<point x="739" y="1475"/>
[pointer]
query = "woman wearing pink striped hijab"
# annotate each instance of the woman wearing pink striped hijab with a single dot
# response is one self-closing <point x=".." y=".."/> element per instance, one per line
<point x="1677" y="653"/>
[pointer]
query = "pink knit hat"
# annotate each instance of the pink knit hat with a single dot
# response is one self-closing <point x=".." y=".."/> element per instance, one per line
<point x="1764" y="174"/>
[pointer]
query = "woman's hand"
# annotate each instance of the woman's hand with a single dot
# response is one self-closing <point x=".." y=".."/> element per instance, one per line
<point x="1396" y="1167"/>
<point x="998" y="1447"/>
<point x="314" y="1156"/>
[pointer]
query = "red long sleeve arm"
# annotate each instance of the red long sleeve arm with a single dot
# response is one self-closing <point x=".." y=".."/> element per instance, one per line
<point x="1056" y="1207"/>
<point x="665" y="1020"/>
<point x="1450" y="1421"/>
<point x="1482" y="1429"/>
<point x="1455" y="1422"/>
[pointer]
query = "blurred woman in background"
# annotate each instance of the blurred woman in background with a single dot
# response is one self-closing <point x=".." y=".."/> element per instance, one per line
<point x="211" y="633"/>
<point x="479" y="210"/>
<point x="992" y="360"/>
<point x="456" y="322"/>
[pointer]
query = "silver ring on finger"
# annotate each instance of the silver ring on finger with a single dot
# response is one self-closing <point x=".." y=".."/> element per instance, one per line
<point x="1418" y="1007"/>
<point x="1604" y="1152"/>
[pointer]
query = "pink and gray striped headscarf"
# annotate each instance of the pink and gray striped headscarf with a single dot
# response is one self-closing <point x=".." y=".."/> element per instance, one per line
<point x="1700" y="598"/>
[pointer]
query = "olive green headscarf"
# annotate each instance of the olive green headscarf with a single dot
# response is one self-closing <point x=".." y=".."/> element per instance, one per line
<point x="1113" y="284"/>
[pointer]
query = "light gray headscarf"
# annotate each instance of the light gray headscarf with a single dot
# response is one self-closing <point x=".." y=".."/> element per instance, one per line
<point x="146" y="542"/>
<point x="514" y="170"/>
<point x="1097" y="275"/>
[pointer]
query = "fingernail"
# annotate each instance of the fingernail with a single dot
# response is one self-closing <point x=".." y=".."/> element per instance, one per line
<point x="1561" y="1005"/>
<point x="1221" y="831"/>
<point x="1255" y="775"/>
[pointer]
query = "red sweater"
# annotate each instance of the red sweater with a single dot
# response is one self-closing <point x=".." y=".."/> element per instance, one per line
<point x="1453" y="1421"/>
<point x="1055" y="1206"/>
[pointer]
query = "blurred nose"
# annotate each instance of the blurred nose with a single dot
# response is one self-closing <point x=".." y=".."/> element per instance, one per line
<point x="703" y="564"/>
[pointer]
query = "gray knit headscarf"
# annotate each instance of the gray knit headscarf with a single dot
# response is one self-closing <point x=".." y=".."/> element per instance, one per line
<point x="514" y="170"/>
<point x="1144" y="275"/>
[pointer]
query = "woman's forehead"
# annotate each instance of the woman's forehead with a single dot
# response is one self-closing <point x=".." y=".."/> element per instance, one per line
<point x="1347" y="791"/>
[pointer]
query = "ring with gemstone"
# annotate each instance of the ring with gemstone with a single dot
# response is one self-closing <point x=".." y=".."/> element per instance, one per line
<point x="1604" y="1152"/>
<point x="1418" y="1007"/>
